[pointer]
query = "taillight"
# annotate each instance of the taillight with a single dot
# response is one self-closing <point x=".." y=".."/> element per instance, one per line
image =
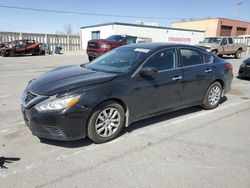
<point x="229" y="67"/>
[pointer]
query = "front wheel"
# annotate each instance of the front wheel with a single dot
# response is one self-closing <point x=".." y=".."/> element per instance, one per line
<point x="213" y="96"/>
<point x="106" y="122"/>
<point x="90" y="58"/>
<point x="214" y="52"/>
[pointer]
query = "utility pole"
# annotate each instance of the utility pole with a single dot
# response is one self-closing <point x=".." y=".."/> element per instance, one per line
<point x="238" y="4"/>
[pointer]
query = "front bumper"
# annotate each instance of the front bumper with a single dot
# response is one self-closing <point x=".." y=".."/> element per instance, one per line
<point x="65" y="125"/>
<point x="244" y="71"/>
<point x="96" y="53"/>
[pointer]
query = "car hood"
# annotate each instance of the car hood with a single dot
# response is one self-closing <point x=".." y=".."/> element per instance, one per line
<point x="207" y="44"/>
<point x="102" y="41"/>
<point x="67" y="78"/>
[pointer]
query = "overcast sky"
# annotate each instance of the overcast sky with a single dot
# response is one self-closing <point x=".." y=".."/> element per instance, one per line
<point x="32" y="21"/>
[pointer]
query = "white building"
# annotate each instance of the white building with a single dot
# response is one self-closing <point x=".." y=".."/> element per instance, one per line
<point x="156" y="33"/>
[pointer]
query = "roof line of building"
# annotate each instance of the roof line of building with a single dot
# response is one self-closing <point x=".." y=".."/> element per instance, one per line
<point x="137" y="25"/>
<point x="193" y="20"/>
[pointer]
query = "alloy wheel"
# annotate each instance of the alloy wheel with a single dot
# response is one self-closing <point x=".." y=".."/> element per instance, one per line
<point x="214" y="95"/>
<point x="107" y="122"/>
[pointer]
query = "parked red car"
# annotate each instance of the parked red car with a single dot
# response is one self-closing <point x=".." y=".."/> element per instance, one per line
<point x="22" y="47"/>
<point x="98" y="47"/>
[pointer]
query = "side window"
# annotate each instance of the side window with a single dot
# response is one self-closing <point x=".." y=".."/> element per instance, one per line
<point x="230" y="40"/>
<point x="224" y="41"/>
<point x="208" y="58"/>
<point x="190" y="57"/>
<point x="162" y="60"/>
<point x="130" y="40"/>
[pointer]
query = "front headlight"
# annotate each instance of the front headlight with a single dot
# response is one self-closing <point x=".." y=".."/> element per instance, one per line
<point x="53" y="103"/>
<point x="103" y="45"/>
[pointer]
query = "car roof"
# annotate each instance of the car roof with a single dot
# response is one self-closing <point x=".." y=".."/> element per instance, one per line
<point x="160" y="45"/>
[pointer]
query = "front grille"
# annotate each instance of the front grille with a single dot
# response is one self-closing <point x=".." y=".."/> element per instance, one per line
<point x="29" y="96"/>
<point x="92" y="45"/>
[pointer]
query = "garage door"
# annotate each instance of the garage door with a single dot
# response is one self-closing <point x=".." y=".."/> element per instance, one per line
<point x="225" y="30"/>
<point x="241" y="31"/>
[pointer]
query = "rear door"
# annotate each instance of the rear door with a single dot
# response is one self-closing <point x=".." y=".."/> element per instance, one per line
<point x="197" y="74"/>
<point x="154" y="94"/>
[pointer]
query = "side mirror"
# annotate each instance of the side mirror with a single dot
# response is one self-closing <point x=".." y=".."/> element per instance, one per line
<point x="148" y="72"/>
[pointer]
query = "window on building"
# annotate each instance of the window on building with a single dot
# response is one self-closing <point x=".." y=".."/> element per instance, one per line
<point x="241" y="31"/>
<point x="225" y="30"/>
<point x="95" y="34"/>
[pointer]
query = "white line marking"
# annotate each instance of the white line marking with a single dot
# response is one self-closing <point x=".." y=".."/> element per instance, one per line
<point x="5" y="96"/>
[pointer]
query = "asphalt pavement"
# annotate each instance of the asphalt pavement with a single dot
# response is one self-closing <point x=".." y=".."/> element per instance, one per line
<point x="187" y="148"/>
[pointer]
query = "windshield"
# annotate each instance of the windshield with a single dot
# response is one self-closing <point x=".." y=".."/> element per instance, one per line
<point x="115" y="38"/>
<point x="118" y="60"/>
<point x="212" y="40"/>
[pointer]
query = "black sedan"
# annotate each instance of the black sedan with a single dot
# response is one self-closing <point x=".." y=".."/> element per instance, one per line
<point x="244" y="70"/>
<point x="125" y="85"/>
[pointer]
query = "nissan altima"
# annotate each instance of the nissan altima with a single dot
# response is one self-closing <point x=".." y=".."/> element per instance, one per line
<point x="130" y="83"/>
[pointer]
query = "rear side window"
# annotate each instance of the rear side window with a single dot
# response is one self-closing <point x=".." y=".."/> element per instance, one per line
<point x="230" y="40"/>
<point x="130" y="40"/>
<point x="190" y="57"/>
<point x="208" y="58"/>
<point x="162" y="60"/>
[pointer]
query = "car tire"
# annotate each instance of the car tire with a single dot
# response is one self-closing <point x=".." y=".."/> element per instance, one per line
<point x="12" y="53"/>
<point x="106" y="122"/>
<point x="238" y="54"/>
<point x="91" y="58"/>
<point x="214" y="52"/>
<point x="42" y="52"/>
<point x="213" y="96"/>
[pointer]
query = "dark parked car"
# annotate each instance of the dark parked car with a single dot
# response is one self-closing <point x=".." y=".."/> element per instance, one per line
<point x="125" y="85"/>
<point x="23" y="47"/>
<point x="244" y="70"/>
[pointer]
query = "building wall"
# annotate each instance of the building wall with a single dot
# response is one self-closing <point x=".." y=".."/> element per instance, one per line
<point x="162" y="35"/>
<point x="70" y="42"/>
<point x="86" y="34"/>
<point x="214" y="27"/>
<point x="209" y="26"/>
<point x="156" y="34"/>
<point x="234" y="24"/>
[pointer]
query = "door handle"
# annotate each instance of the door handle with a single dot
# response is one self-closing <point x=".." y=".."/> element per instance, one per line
<point x="177" y="78"/>
<point x="208" y="70"/>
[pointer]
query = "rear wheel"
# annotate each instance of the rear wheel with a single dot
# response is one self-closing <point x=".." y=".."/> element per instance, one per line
<point x="106" y="122"/>
<point x="237" y="54"/>
<point x="213" y="96"/>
